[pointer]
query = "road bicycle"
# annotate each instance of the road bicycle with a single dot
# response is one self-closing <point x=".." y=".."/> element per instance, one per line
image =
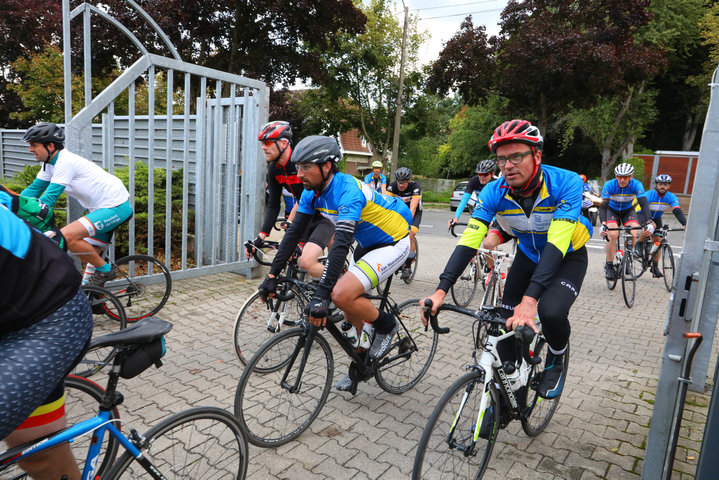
<point x="202" y="442"/>
<point x="494" y="283"/>
<point x="644" y="261"/>
<point x="143" y="284"/>
<point x="264" y="254"/>
<point x="624" y="264"/>
<point x="474" y="273"/>
<point x="460" y="434"/>
<point x="286" y="383"/>
<point x="108" y="315"/>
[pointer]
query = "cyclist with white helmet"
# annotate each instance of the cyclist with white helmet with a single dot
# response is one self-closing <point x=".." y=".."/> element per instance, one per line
<point x="379" y="223"/>
<point x="660" y="200"/>
<point x="619" y="197"/>
<point x="101" y="193"/>
<point x="376" y="179"/>
<point x="410" y="193"/>
<point x="276" y="138"/>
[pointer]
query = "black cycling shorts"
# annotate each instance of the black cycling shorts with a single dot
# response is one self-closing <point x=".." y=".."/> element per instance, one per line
<point x="320" y="231"/>
<point x="623" y="217"/>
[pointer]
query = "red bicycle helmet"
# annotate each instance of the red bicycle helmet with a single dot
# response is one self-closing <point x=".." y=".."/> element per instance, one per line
<point x="516" y="131"/>
<point x="275" y="131"/>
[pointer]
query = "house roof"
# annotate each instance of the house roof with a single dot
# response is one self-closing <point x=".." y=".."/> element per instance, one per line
<point x="351" y="142"/>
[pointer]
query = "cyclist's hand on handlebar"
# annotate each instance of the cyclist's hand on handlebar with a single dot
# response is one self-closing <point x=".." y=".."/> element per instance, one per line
<point x="524" y="314"/>
<point x="603" y="230"/>
<point x="649" y="226"/>
<point x="268" y="288"/>
<point x="317" y="310"/>
<point x="251" y="246"/>
<point x="285" y="225"/>
<point x="451" y="222"/>
<point x="437" y="299"/>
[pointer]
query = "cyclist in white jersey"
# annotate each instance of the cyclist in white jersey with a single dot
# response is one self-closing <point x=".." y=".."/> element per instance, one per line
<point x="102" y="194"/>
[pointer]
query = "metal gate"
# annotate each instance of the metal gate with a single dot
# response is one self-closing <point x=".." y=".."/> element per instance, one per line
<point x="205" y="125"/>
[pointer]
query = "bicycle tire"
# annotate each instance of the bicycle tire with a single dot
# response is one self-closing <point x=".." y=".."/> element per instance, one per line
<point x="435" y="458"/>
<point x="668" y="266"/>
<point x="413" y="266"/>
<point x="269" y="414"/>
<point x="465" y="287"/>
<point x="82" y="400"/>
<point x="101" y="301"/>
<point x="251" y="329"/>
<point x="141" y="295"/>
<point x="629" y="281"/>
<point x="490" y="297"/>
<point x="640" y="264"/>
<point x="411" y="352"/>
<point x="202" y="442"/>
<point x="265" y="254"/>
<point x="541" y="409"/>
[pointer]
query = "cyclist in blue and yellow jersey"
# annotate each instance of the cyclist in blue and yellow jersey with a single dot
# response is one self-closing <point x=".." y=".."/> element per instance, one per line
<point x="276" y="138"/>
<point x="376" y="180"/>
<point x="619" y="197"/>
<point x="410" y="193"/>
<point x="379" y="223"/>
<point x="45" y="323"/>
<point x="101" y="193"/>
<point x="660" y="200"/>
<point x="541" y="206"/>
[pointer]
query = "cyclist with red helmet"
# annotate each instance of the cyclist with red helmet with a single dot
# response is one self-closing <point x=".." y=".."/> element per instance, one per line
<point x="276" y="138"/>
<point x="540" y="205"/>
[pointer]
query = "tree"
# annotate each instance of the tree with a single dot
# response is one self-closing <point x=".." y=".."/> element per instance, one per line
<point x="465" y="65"/>
<point x="556" y="53"/>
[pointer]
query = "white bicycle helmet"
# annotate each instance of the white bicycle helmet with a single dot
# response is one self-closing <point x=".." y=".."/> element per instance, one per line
<point x="663" y="178"/>
<point x="624" y="170"/>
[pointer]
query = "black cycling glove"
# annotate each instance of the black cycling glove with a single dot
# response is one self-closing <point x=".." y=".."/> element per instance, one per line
<point x="317" y="308"/>
<point x="267" y="287"/>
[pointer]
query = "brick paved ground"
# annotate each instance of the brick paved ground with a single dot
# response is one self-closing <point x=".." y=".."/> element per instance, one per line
<point x="599" y="432"/>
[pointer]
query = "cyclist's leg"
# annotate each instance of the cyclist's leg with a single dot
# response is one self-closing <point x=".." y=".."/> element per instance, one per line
<point x="98" y="226"/>
<point x="321" y="231"/>
<point x="611" y="246"/>
<point x="33" y="362"/>
<point x="518" y="278"/>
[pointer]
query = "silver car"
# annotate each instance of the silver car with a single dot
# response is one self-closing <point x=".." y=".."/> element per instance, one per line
<point x="457" y="194"/>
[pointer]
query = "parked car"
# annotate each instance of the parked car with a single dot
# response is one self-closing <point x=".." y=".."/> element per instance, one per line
<point x="457" y="194"/>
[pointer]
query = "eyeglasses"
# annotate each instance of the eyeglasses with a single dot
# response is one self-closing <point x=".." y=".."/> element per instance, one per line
<point x="514" y="159"/>
<point x="666" y="184"/>
<point x="490" y="173"/>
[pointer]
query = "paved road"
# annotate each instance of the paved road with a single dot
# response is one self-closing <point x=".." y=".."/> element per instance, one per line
<point x="599" y="432"/>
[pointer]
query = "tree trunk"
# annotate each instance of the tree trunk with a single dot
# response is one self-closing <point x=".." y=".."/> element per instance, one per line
<point x="690" y="131"/>
<point x="607" y="163"/>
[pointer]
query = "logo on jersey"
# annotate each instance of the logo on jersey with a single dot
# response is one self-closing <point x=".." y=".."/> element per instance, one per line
<point x="99" y="226"/>
<point x="344" y="209"/>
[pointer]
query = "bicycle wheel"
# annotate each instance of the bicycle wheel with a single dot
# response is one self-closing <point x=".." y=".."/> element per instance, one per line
<point x="266" y="253"/>
<point x="466" y="285"/>
<point x="257" y="322"/>
<point x="491" y="294"/>
<point x="541" y="409"/>
<point x="413" y="267"/>
<point x="639" y="264"/>
<point x="101" y="302"/>
<point x="668" y="266"/>
<point x="143" y="285"/>
<point x="202" y="442"/>
<point x="411" y="352"/>
<point x="629" y="281"/>
<point x="269" y="413"/>
<point x="449" y="447"/>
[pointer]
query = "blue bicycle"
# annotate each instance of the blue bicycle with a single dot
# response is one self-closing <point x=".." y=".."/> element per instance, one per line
<point x="202" y="442"/>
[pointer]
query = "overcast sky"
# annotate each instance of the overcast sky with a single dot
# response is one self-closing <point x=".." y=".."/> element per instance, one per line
<point x="442" y="19"/>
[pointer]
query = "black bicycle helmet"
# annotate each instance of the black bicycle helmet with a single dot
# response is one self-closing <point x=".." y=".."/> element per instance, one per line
<point x="317" y="149"/>
<point x="486" y="166"/>
<point x="402" y="174"/>
<point x="45" y="132"/>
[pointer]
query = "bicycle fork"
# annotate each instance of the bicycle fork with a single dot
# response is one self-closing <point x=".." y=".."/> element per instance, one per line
<point x="309" y="338"/>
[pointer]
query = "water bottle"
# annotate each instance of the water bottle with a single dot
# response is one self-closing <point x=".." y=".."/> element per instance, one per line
<point x="654" y="249"/>
<point x="350" y="333"/>
<point x="366" y="337"/>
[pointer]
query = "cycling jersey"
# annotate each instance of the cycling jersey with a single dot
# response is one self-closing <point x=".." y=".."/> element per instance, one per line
<point x="413" y="190"/>
<point x="37" y="276"/>
<point x="621" y="199"/>
<point x="375" y="183"/>
<point x="380" y="219"/>
<point x="279" y="177"/>
<point x="546" y="231"/>
<point x="81" y="179"/>
<point x="473" y="185"/>
<point x="659" y="204"/>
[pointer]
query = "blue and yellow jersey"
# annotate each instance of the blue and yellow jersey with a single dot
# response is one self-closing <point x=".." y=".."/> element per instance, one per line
<point x="555" y="217"/>
<point x="380" y="219"/>
<point x="621" y="199"/>
<point x="375" y="183"/>
<point x="658" y="205"/>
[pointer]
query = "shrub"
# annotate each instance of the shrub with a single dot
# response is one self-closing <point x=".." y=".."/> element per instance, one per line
<point x="22" y="180"/>
<point x="638" y="165"/>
